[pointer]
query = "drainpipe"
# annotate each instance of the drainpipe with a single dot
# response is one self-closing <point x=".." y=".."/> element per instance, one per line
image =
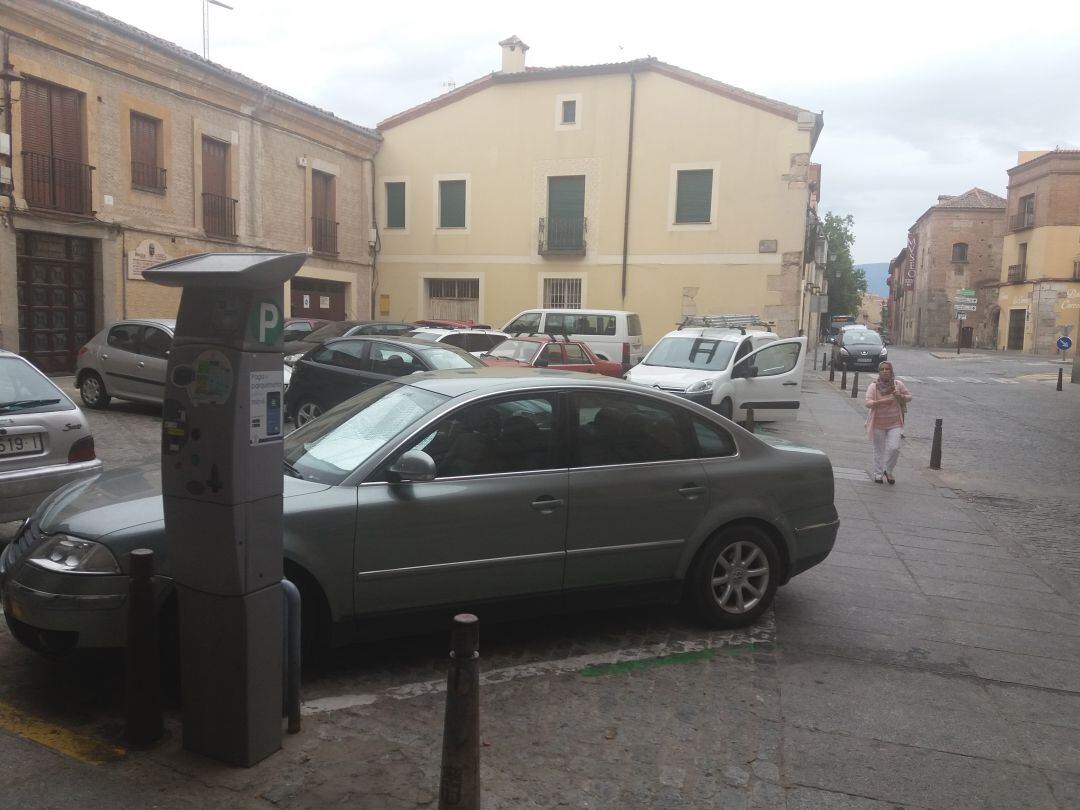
<point x="629" y="172"/>
<point x="374" y="246"/>
<point x="10" y="193"/>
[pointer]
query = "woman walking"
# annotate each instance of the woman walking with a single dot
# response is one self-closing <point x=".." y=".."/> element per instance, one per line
<point x="886" y="399"/>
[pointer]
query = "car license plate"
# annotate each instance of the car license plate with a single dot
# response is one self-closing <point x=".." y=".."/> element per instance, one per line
<point x="22" y="445"/>
<point x="863" y="360"/>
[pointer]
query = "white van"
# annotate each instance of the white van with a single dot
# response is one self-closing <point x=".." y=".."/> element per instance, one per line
<point x="728" y="370"/>
<point x="612" y="334"/>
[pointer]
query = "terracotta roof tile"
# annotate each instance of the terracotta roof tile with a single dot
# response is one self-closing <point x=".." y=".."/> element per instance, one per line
<point x="972" y="198"/>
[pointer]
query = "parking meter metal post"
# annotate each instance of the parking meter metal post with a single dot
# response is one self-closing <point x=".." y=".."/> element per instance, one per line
<point x="221" y="476"/>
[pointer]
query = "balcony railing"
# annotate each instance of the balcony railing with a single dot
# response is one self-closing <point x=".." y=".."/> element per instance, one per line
<point x="323" y="235"/>
<point x="1017" y="272"/>
<point x="562" y="237"/>
<point x="147" y="177"/>
<point x="219" y="215"/>
<point x="58" y="184"/>
<point x="1022" y="221"/>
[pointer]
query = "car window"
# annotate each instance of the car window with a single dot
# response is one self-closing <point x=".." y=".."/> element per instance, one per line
<point x="511" y="435"/>
<point x="295" y="331"/>
<point x="438" y="357"/>
<point x="344" y="354"/>
<point x="431" y="337"/>
<point x="697" y="353"/>
<point x="863" y="336"/>
<point x="527" y="323"/>
<point x="20" y="382"/>
<point x="552" y="355"/>
<point x="580" y="324"/>
<point x="124" y="336"/>
<point x="773" y="360"/>
<point x="744" y="349"/>
<point x="521" y="350"/>
<point x="633" y="325"/>
<point x="575" y="354"/>
<point x="620" y="429"/>
<point x="393" y="361"/>
<point x="712" y="440"/>
<point x="155" y="342"/>
<point x="455" y="339"/>
<point x="331" y="330"/>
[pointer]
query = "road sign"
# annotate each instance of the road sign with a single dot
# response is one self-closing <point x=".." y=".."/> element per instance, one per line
<point x="964" y="307"/>
<point x="964" y="299"/>
<point x="968" y="293"/>
<point x="961" y="316"/>
<point x="1064" y="344"/>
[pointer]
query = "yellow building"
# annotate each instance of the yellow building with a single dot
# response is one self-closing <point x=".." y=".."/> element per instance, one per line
<point x="636" y="186"/>
<point x="1039" y="291"/>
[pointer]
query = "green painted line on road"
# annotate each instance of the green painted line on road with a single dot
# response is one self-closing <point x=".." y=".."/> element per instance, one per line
<point x="694" y="657"/>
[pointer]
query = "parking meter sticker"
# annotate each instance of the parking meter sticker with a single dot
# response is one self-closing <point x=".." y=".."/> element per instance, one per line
<point x="213" y="381"/>
<point x="266" y="394"/>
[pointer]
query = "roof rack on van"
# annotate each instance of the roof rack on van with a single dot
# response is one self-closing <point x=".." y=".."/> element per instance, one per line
<point x="739" y="322"/>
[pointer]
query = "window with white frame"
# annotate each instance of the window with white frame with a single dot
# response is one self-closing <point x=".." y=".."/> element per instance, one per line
<point x="452" y="204"/>
<point x="693" y="201"/>
<point x="562" y="293"/>
<point x="395" y="204"/>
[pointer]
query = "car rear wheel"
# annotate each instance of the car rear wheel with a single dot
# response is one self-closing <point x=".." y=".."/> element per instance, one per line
<point x="735" y="577"/>
<point x="306" y="410"/>
<point x="92" y="391"/>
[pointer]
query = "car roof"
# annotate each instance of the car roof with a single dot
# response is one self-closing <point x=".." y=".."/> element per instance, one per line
<point x="536" y="338"/>
<point x="168" y="323"/>
<point x="441" y="332"/>
<point x="712" y="333"/>
<point x="458" y="381"/>
<point x="580" y="311"/>
<point x="402" y="339"/>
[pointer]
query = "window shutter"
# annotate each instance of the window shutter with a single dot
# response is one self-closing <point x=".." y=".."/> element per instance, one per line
<point x="694" y="200"/>
<point x="66" y="124"/>
<point x="451" y="203"/>
<point x="395" y="205"/>
<point x="36" y="118"/>
<point x="322" y="196"/>
<point x="213" y="169"/>
<point x="144" y="140"/>
<point x="566" y="199"/>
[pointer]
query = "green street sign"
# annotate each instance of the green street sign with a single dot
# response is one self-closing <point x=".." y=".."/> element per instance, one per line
<point x="966" y="293"/>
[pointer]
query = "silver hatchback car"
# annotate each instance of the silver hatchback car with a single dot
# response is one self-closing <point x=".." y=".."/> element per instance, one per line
<point x="462" y="489"/>
<point x="44" y="439"/>
<point x="126" y="360"/>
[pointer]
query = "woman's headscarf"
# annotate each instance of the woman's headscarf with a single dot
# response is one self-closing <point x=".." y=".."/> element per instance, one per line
<point x="886" y="387"/>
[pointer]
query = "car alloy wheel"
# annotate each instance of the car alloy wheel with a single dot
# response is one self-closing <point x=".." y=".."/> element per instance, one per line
<point x="735" y="577"/>
<point x="92" y="392"/>
<point x="307" y="410"/>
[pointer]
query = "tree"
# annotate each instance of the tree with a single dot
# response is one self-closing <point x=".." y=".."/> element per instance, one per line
<point x="847" y="283"/>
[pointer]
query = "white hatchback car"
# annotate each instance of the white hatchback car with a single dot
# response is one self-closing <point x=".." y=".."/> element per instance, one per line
<point x="728" y="370"/>
<point x="474" y="341"/>
<point x="45" y="441"/>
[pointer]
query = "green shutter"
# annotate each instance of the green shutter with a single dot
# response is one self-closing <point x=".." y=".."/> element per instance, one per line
<point x="694" y="201"/>
<point x="566" y="212"/>
<point x="451" y="203"/>
<point x="395" y="205"/>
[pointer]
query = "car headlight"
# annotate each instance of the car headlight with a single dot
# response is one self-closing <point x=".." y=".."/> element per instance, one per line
<point x="844" y="351"/>
<point x="699" y="387"/>
<point x="72" y="555"/>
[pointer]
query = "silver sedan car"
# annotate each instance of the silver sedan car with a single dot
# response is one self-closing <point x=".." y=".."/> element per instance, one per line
<point x="126" y="360"/>
<point x="467" y="488"/>
<point x="44" y="439"/>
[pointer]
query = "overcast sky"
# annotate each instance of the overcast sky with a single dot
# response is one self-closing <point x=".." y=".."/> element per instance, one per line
<point x="920" y="98"/>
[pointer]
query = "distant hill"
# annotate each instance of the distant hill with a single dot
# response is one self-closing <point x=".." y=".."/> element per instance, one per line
<point x="877" y="275"/>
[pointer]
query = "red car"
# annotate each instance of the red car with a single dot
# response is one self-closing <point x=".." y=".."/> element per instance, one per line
<point x="541" y="351"/>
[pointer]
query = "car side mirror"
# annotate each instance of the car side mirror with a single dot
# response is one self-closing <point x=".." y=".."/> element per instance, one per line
<point x="413" y="465"/>
<point x="541" y="363"/>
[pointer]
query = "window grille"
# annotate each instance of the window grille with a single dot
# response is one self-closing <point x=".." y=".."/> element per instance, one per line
<point x="562" y="293"/>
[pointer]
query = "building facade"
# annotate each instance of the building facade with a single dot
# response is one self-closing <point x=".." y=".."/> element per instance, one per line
<point x="125" y="150"/>
<point x="636" y="186"/>
<point x="1038" y="295"/>
<point x="954" y="246"/>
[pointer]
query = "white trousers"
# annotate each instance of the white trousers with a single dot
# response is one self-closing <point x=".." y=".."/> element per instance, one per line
<point x="886" y="450"/>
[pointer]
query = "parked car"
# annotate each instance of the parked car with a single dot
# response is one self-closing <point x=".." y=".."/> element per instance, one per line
<point x="295" y="349"/>
<point x="297" y="328"/>
<point x="450" y="491"/>
<point x="126" y="360"/>
<point x="542" y="351"/>
<point x="611" y="334"/>
<point x="475" y="341"/>
<point x="45" y="441"/>
<point x="344" y="367"/>
<point x="728" y="370"/>
<point x="438" y="323"/>
<point x="859" y="349"/>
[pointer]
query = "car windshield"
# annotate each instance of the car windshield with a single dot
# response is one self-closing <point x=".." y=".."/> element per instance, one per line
<point x="862" y="336"/>
<point x="331" y="330"/>
<point x="520" y="350"/>
<point x="21" y="387"/>
<point x="431" y="337"/>
<point x="327" y="449"/>
<point x="445" y="357"/>
<point x="687" y="352"/>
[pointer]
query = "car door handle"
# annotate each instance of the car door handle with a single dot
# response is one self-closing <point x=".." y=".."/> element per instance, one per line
<point x="789" y="383"/>
<point x="545" y="505"/>
<point x="691" y="491"/>
<point x="104" y="357"/>
<point x="141" y="364"/>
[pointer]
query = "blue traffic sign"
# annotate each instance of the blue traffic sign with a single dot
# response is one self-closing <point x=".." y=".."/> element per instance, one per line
<point x="1064" y="344"/>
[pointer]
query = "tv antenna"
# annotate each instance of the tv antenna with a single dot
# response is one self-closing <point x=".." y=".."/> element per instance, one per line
<point x="206" y="23"/>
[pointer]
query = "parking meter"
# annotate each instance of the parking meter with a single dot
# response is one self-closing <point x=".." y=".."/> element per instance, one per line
<point x="221" y="477"/>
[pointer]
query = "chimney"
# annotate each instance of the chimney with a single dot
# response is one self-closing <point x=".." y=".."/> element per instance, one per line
<point x="513" y="55"/>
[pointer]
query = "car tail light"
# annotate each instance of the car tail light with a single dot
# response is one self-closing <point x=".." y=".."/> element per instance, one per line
<point x="626" y="355"/>
<point x="82" y="450"/>
<point x="83" y="350"/>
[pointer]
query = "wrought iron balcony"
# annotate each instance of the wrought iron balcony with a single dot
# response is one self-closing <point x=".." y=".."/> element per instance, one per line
<point x="57" y="184"/>
<point x="323" y="235"/>
<point x="1022" y="221"/>
<point x="1017" y="272"/>
<point x="219" y="215"/>
<point x="562" y="237"/>
<point x="147" y="177"/>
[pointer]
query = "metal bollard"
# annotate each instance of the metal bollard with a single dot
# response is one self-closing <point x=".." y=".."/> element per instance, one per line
<point x="843" y="378"/>
<point x="824" y="360"/>
<point x="749" y="424"/>
<point x="935" y="450"/>
<point x="459" y="784"/>
<point x="815" y="361"/>
<point x="292" y="654"/>
<point x="832" y="371"/>
<point x="144" y="721"/>
<point x="855" y="385"/>
<point x="1060" y="375"/>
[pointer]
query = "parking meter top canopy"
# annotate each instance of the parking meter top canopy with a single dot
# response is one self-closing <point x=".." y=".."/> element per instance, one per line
<point x="230" y="299"/>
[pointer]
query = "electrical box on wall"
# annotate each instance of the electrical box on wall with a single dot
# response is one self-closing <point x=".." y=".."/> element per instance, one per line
<point x="302" y="162"/>
<point x="5" y="143"/>
<point x="5" y="176"/>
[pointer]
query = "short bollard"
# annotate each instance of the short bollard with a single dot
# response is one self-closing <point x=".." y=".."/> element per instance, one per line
<point x="293" y="646"/>
<point x="824" y="360"/>
<point x="143" y="718"/>
<point x="832" y="371"/>
<point x="843" y="378"/>
<point x="1060" y="375"/>
<point x="935" y="450"/>
<point x="815" y="361"/>
<point x="750" y="419"/>
<point x="855" y="385"/>
<point x="459" y="785"/>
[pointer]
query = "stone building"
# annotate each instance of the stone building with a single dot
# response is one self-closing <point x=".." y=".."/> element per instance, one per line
<point x="123" y="150"/>
<point x="1038" y="295"/>
<point x="955" y="245"/>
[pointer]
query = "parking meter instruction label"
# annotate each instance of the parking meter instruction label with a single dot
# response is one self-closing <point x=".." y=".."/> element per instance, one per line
<point x="266" y="406"/>
<point x="213" y="380"/>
